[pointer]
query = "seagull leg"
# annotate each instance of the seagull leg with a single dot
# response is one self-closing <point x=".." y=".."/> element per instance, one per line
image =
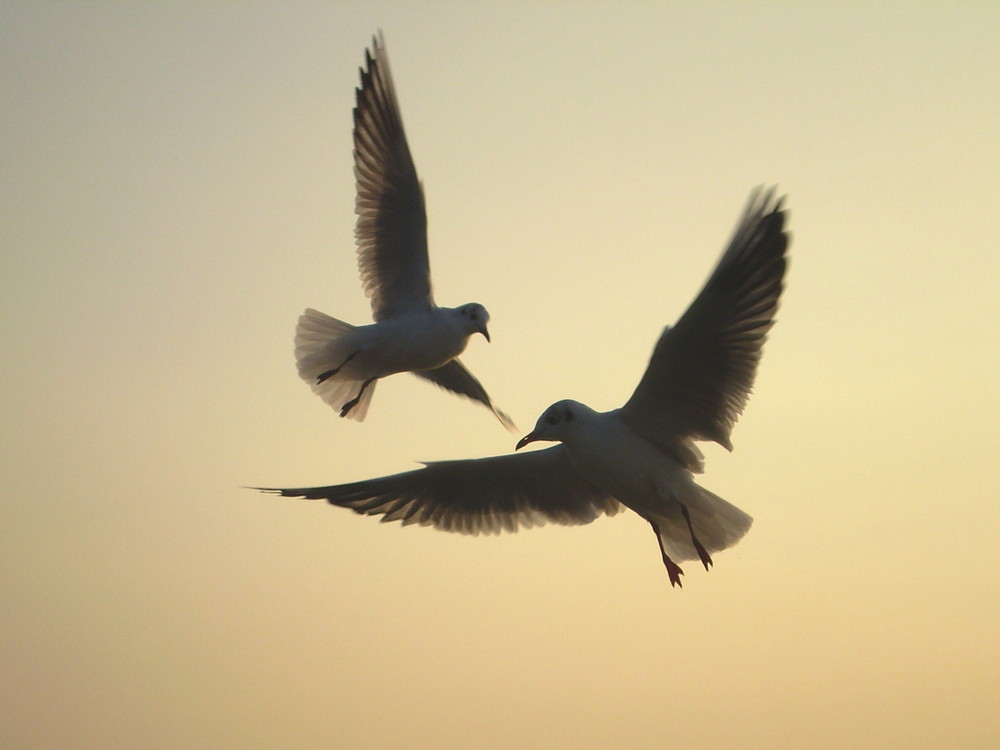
<point x="345" y="410"/>
<point x="330" y="373"/>
<point x="673" y="569"/>
<point x="706" y="559"/>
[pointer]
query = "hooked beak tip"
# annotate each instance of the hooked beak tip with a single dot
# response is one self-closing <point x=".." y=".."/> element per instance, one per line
<point x="529" y="438"/>
<point x="486" y="335"/>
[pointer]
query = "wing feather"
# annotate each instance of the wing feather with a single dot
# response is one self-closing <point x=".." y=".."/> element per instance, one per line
<point x="391" y="230"/>
<point x="456" y="378"/>
<point x="702" y="370"/>
<point x="475" y="496"/>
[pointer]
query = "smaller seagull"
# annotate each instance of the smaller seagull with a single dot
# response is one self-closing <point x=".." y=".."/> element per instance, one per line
<point x="641" y="456"/>
<point x="342" y="362"/>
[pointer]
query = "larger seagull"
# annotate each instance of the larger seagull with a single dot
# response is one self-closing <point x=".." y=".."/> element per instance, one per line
<point x="643" y="455"/>
<point x="342" y="362"/>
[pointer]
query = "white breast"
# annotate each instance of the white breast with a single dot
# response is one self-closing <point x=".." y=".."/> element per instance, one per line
<point x="606" y="452"/>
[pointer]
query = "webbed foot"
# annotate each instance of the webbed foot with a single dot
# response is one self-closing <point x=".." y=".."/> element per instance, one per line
<point x="673" y="569"/>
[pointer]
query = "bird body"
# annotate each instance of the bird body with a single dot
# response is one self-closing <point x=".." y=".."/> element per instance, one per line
<point x="418" y="341"/>
<point x="342" y="362"/>
<point x="690" y="522"/>
<point x="595" y="443"/>
<point x="609" y="455"/>
<point x="335" y="358"/>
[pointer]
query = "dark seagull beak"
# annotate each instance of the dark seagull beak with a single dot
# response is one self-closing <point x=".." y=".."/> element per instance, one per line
<point x="529" y="438"/>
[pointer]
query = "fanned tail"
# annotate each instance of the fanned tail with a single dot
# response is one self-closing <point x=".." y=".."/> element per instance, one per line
<point x="323" y="346"/>
<point x="717" y="524"/>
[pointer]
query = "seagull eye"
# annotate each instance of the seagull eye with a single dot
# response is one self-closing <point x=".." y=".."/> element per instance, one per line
<point x="552" y="419"/>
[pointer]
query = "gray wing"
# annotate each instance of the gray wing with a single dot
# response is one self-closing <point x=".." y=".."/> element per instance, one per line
<point x="391" y="231"/>
<point x="474" y="496"/>
<point x="455" y="378"/>
<point x="702" y="369"/>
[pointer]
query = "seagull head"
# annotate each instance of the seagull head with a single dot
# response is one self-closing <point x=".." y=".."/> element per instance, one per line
<point x="476" y="318"/>
<point x="556" y="423"/>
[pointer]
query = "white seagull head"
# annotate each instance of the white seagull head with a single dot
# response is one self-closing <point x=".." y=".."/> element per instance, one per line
<point x="476" y="318"/>
<point x="557" y="423"/>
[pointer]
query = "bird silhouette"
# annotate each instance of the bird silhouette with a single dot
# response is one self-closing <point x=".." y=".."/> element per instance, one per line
<point x="342" y="362"/>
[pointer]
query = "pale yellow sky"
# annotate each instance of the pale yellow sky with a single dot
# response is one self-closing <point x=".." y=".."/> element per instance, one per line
<point x="176" y="185"/>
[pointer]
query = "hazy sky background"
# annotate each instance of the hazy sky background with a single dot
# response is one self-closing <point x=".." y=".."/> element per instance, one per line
<point x="176" y="187"/>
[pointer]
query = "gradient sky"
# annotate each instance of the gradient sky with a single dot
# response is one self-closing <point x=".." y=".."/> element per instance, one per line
<point x="176" y="187"/>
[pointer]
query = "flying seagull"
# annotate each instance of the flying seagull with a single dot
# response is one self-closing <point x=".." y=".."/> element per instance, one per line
<point x="642" y="455"/>
<point x="341" y="362"/>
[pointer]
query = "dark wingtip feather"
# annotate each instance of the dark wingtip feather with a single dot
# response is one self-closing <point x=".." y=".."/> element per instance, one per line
<point x="269" y="490"/>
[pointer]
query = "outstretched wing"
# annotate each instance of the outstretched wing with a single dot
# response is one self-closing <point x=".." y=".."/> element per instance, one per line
<point x="391" y="231"/>
<point x="455" y="378"/>
<point x="475" y="496"/>
<point x="702" y="369"/>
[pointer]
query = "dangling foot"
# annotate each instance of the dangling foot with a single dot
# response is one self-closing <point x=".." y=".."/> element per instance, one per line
<point x="706" y="559"/>
<point x="346" y="409"/>
<point x="330" y="373"/>
<point x="673" y="569"/>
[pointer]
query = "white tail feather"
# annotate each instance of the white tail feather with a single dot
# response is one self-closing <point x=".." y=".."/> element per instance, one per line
<point x="323" y="343"/>
<point x="718" y="524"/>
